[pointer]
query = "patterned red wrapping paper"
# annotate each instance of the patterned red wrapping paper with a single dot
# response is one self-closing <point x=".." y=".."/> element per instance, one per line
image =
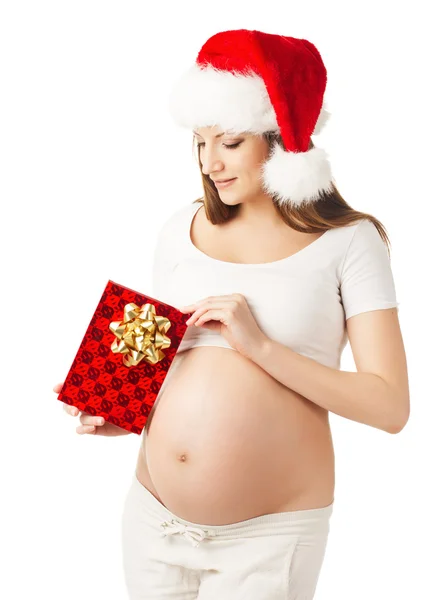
<point x="98" y="381"/>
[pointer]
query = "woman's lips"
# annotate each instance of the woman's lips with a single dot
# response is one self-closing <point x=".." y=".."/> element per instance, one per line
<point x="224" y="183"/>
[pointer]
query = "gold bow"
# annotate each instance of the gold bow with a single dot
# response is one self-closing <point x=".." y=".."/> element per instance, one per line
<point x="141" y="335"/>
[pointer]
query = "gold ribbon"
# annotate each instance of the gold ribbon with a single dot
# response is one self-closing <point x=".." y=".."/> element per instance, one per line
<point x="141" y="335"/>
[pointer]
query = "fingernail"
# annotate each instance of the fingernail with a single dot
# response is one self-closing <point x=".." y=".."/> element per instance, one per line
<point x="99" y="421"/>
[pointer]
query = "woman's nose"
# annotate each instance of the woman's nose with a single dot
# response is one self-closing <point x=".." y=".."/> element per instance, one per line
<point x="213" y="168"/>
<point x="210" y="162"/>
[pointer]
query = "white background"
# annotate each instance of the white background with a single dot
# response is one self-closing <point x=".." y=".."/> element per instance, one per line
<point x="91" y="165"/>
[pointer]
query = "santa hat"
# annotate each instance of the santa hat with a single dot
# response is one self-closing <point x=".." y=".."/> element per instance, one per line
<point x="250" y="81"/>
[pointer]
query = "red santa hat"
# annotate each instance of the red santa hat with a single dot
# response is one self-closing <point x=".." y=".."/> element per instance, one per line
<point x="250" y="81"/>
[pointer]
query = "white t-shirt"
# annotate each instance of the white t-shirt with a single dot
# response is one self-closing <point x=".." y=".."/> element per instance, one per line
<point x="301" y="301"/>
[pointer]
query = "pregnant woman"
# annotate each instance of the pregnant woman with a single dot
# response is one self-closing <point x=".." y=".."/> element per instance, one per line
<point x="234" y="486"/>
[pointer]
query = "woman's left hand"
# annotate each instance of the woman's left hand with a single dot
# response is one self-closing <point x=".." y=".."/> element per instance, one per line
<point x="236" y="322"/>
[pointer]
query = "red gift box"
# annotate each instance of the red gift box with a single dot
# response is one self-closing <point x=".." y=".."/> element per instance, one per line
<point x="124" y="357"/>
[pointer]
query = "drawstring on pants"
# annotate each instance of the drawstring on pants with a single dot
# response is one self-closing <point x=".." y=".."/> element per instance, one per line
<point x="194" y="534"/>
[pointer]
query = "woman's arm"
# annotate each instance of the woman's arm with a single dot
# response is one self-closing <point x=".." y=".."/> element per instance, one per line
<point x="376" y="395"/>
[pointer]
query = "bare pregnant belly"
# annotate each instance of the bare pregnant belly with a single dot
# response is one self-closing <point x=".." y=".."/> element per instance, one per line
<point x="226" y="442"/>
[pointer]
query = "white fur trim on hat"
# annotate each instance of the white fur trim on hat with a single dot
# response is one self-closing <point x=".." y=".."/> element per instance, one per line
<point x="296" y="177"/>
<point x="205" y="96"/>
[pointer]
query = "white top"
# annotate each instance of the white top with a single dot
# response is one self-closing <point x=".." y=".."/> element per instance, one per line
<point x="301" y="301"/>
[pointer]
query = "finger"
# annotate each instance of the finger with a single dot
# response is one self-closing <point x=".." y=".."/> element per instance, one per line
<point x="215" y="304"/>
<point x="71" y="410"/>
<point x="82" y="429"/>
<point x="86" y="419"/>
<point x="213" y="315"/>
<point x="57" y="388"/>
<point x="194" y="316"/>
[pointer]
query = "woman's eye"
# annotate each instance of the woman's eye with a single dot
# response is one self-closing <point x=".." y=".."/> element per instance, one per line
<point x="231" y="146"/>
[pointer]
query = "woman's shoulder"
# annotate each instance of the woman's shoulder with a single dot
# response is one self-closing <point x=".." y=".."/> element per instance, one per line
<point x="360" y="230"/>
<point x="178" y="216"/>
<point x="176" y="223"/>
<point x="345" y="233"/>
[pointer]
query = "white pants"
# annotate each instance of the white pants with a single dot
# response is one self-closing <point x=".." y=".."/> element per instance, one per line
<point x="276" y="556"/>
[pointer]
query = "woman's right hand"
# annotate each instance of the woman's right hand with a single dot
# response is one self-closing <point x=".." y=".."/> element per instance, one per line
<point x="89" y="423"/>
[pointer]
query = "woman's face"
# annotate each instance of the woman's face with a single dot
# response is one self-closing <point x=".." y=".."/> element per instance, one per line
<point x="226" y="156"/>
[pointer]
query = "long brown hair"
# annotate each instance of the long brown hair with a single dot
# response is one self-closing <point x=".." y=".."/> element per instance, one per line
<point x="329" y="212"/>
